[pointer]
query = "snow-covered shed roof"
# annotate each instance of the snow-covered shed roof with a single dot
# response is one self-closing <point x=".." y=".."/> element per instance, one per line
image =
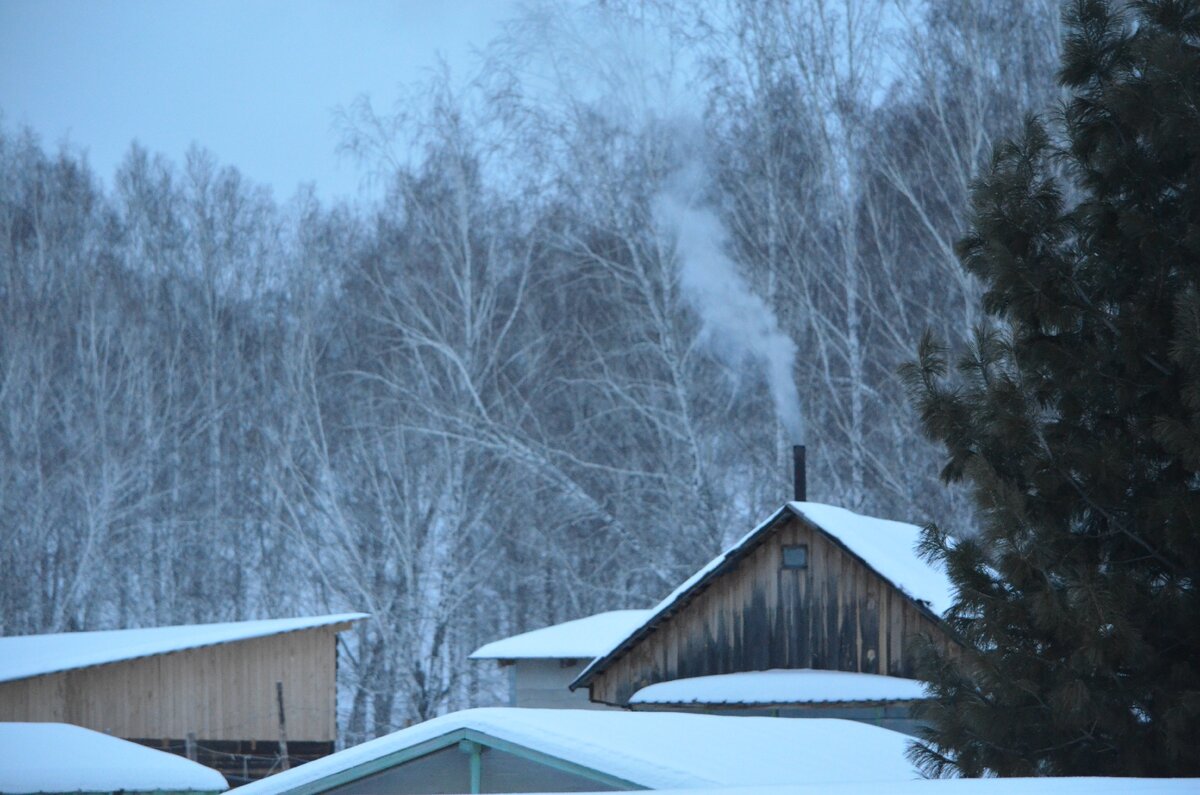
<point x="652" y="750"/>
<point x="1046" y="785"/>
<point x="888" y="547"/>
<point x="59" y="757"/>
<point x="582" y="638"/>
<point x="781" y="686"/>
<point x="23" y="656"/>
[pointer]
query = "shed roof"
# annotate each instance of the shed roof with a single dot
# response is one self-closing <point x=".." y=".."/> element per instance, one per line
<point x="780" y="686"/>
<point x="582" y="638"/>
<point x="1046" y="785"/>
<point x="653" y="750"/>
<point x="59" y="757"/>
<point x="887" y="547"/>
<point x="23" y="656"/>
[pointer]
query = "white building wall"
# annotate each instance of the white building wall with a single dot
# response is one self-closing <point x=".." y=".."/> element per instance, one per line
<point x="543" y="683"/>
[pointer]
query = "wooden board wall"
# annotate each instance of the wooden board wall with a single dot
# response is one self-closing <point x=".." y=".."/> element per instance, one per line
<point x="223" y="692"/>
<point x="836" y="614"/>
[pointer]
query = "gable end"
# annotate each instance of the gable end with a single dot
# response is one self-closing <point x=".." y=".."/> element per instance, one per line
<point x="750" y="612"/>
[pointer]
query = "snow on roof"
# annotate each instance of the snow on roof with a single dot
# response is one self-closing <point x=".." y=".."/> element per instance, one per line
<point x="887" y="546"/>
<point x="655" y="750"/>
<point x="22" y="656"/>
<point x="805" y="686"/>
<point x="581" y="638"/>
<point x="59" y="757"/>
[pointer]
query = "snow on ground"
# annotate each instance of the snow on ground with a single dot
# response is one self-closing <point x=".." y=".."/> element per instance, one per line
<point x="781" y="687"/>
<point x="656" y="750"/>
<point x="23" y="656"/>
<point x="582" y="638"/>
<point x="59" y="757"/>
<point x="887" y="546"/>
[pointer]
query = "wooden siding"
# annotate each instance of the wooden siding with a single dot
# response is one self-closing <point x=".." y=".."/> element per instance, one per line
<point x="836" y="614"/>
<point x="223" y="692"/>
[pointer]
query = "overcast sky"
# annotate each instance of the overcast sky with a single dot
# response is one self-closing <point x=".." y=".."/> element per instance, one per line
<point x="255" y="81"/>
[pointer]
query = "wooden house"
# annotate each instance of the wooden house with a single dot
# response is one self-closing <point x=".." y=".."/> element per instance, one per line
<point x="567" y="750"/>
<point x="230" y="696"/>
<point x="542" y="663"/>
<point x="815" y="587"/>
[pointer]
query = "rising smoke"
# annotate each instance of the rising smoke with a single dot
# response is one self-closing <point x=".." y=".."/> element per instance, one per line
<point x="735" y="319"/>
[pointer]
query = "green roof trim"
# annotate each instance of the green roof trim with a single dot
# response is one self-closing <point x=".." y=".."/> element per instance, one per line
<point x="525" y="752"/>
<point x="463" y="738"/>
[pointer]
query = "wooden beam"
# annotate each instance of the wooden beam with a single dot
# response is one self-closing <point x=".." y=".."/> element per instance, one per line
<point x="475" y="753"/>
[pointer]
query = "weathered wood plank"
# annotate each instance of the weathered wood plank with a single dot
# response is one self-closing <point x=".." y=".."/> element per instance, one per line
<point x="835" y="614"/>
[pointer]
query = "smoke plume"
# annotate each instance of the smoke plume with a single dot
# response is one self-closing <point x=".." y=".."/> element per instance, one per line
<point x="735" y="318"/>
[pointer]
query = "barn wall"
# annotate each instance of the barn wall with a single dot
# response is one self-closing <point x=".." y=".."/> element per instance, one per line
<point x="223" y="692"/>
<point x="43" y="698"/>
<point x="836" y="614"/>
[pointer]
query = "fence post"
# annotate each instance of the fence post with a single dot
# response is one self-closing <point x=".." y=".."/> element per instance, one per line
<point x="286" y="763"/>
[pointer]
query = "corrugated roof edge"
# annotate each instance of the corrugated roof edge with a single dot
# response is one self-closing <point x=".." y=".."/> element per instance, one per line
<point x="682" y="595"/>
<point x="319" y="622"/>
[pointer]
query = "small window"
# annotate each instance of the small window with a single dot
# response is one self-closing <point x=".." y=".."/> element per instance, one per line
<point x="795" y="557"/>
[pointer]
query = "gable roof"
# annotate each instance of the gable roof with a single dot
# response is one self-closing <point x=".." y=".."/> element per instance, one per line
<point x="582" y="638"/>
<point x="653" y="750"/>
<point x="782" y="686"/>
<point x="59" y="757"/>
<point x="1046" y="785"/>
<point x="23" y="656"/>
<point x="886" y="547"/>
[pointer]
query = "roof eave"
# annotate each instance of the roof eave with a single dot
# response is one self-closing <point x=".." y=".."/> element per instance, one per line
<point x="699" y="706"/>
<point x="335" y="626"/>
<point x="732" y="556"/>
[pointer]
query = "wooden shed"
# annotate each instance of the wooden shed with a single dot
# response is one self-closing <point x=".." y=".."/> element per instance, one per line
<point x="212" y="692"/>
<point x="813" y="587"/>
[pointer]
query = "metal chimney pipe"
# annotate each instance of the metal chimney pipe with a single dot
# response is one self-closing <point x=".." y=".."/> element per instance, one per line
<point x="799" y="474"/>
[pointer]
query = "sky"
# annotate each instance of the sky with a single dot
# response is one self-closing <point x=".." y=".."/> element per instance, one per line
<point x="256" y="82"/>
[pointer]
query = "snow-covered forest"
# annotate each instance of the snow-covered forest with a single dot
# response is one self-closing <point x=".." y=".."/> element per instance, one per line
<point x="552" y="369"/>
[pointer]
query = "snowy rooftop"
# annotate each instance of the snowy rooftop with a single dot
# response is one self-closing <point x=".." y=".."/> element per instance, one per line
<point x="781" y="687"/>
<point x="887" y="546"/>
<point x="58" y="757"/>
<point x="976" y="786"/>
<point x="582" y="638"/>
<point x="656" y="750"/>
<point x="22" y="656"/>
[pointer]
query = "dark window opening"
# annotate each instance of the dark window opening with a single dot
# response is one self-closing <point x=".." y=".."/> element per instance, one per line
<point x="795" y="557"/>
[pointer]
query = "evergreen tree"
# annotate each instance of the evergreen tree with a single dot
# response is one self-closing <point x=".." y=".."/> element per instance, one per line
<point x="1074" y="417"/>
